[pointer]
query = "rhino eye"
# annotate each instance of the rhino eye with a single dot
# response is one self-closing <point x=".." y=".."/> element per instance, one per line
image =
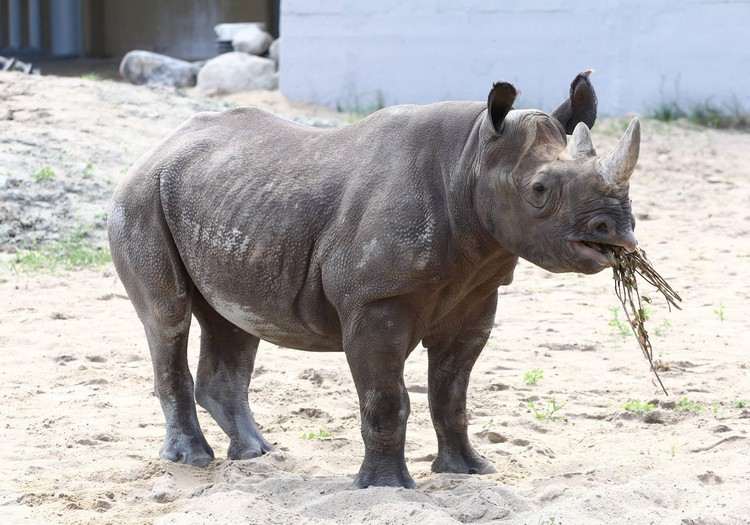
<point x="538" y="187"/>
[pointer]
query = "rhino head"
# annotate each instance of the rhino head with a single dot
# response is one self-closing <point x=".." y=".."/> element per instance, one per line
<point x="551" y="200"/>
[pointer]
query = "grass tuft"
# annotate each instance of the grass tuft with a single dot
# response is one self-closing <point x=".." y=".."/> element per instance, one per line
<point x="638" y="407"/>
<point x="75" y="252"/>
<point x="549" y="411"/>
<point x="704" y="114"/>
<point x="45" y="174"/>
<point x="320" y="434"/>
<point x="532" y="377"/>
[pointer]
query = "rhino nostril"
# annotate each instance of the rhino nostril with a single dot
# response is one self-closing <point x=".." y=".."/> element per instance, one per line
<point x="602" y="228"/>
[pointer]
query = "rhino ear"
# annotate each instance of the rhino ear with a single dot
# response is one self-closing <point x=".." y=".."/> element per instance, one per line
<point x="499" y="103"/>
<point x="580" y="106"/>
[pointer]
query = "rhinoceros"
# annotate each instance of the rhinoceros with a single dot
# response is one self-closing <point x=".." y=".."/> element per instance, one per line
<point x="367" y="239"/>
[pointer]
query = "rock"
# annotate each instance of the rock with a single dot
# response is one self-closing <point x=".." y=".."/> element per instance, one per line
<point x="227" y="31"/>
<point x="145" y="67"/>
<point x="274" y="51"/>
<point x="252" y="40"/>
<point x="234" y="72"/>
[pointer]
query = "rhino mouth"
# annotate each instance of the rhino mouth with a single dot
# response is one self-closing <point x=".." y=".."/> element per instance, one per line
<point x="600" y="254"/>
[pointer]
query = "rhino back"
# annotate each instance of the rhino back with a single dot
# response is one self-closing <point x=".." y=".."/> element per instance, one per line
<point x="281" y="226"/>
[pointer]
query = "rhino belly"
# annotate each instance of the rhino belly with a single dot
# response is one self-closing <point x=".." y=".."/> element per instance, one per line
<point x="282" y="329"/>
<point x="267" y="285"/>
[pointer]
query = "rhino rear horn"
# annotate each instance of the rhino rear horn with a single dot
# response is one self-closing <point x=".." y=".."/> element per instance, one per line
<point x="581" y="145"/>
<point x="499" y="103"/>
<point x="580" y="106"/>
<point x="617" y="166"/>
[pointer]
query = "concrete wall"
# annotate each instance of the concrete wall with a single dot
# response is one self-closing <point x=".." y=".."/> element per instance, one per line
<point x="347" y="53"/>
<point x="179" y="28"/>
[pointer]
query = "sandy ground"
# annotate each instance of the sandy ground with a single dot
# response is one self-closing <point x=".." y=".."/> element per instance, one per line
<point x="80" y="427"/>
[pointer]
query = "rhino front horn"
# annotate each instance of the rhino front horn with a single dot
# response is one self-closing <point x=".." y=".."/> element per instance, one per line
<point x="617" y="166"/>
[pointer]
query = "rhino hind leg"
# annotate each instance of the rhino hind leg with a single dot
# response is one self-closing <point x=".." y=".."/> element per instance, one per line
<point x="450" y="364"/>
<point x="157" y="284"/>
<point x="226" y="362"/>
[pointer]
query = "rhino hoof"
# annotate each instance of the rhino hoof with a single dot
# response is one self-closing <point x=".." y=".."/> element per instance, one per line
<point x="249" y="451"/>
<point x="189" y="451"/>
<point x="364" y="480"/>
<point x="459" y="465"/>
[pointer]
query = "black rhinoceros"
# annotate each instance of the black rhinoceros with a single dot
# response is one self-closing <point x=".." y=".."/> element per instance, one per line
<point x="366" y="239"/>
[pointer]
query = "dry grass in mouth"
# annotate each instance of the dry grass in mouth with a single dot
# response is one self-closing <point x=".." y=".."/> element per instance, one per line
<point x="625" y="266"/>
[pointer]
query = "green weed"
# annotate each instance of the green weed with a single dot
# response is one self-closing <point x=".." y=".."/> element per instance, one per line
<point x="685" y="405"/>
<point x="91" y="76"/>
<point x="88" y="171"/>
<point x="44" y="174"/>
<point x="740" y="403"/>
<point x="358" y="111"/>
<point x="621" y="326"/>
<point x="320" y="434"/>
<point x="719" y="311"/>
<point x="532" y="377"/>
<point x="638" y="407"/>
<point x="549" y="411"/>
<point x="662" y="327"/>
<point x="69" y="254"/>
<point x="674" y="446"/>
<point x="730" y="116"/>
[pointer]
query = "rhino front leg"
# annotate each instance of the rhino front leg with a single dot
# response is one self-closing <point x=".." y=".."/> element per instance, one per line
<point x="227" y="359"/>
<point x="377" y="343"/>
<point x="451" y="358"/>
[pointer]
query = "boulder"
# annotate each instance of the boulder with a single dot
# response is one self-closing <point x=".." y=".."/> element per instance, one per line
<point x="227" y="31"/>
<point x="274" y="51"/>
<point x="252" y="40"/>
<point x="234" y="72"/>
<point x="145" y="67"/>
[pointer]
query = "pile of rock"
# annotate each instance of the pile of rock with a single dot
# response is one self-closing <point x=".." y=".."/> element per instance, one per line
<point x="13" y="64"/>
<point x="250" y="61"/>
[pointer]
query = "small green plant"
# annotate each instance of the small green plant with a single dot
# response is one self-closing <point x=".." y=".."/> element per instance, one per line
<point x="740" y="403"/>
<point x="489" y="425"/>
<point x="719" y="311"/>
<point x="638" y="407"/>
<point x="358" y="111"/>
<point x="685" y="405"/>
<point x="320" y="434"/>
<point x="667" y="112"/>
<point x="715" y="408"/>
<point x="75" y="252"/>
<point x="88" y="171"/>
<point x="674" y="447"/>
<point x="533" y="376"/>
<point x="662" y="327"/>
<point x="549" y="411"/>
<point x="44" y="174"/>
<point x="91" y="76"/>
<point x="621" y="326"/>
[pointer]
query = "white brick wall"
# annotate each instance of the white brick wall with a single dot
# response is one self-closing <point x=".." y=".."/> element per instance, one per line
<point x="645" y="52"/>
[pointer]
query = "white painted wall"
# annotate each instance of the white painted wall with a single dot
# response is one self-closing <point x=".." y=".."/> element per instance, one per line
<point x="645" y="52"/>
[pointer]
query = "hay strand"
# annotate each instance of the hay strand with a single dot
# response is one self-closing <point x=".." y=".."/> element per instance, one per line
<point x="625" y="266"/>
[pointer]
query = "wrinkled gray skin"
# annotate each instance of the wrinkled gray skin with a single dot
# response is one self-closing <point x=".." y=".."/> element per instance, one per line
<point x="367" y="240"/>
